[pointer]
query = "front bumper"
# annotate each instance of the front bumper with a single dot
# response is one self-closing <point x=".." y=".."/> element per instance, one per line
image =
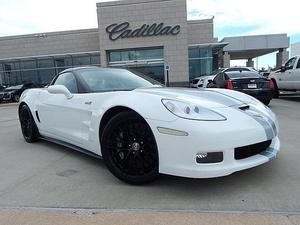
<point x="6" y="97"/>
<point x="177" y="154"/>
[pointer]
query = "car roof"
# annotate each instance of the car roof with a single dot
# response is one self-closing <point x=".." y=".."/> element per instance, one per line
<point x="241" y="71"/>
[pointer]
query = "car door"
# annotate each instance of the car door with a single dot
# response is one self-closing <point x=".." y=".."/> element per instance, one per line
<point x="285" y="79"/>
<point x="296" y="76"/>
<point x="62" y="118"/>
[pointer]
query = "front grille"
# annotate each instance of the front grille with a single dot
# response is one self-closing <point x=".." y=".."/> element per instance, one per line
<point x="250" y="150"/>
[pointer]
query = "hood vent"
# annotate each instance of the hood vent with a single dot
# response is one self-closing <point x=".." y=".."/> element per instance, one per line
<point x="244" y="107"/>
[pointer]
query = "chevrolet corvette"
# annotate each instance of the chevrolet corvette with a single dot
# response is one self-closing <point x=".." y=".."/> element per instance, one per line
<point x="141" y="129"/>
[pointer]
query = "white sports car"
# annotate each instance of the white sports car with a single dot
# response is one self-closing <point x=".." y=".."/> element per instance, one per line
<point x="141" y="129"/>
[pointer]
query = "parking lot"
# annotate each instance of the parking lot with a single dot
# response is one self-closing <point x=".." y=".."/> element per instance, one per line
<point x="45" y="175"/>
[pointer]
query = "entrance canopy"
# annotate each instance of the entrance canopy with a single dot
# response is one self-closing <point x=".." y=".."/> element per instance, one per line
<point x="249" y="47"/>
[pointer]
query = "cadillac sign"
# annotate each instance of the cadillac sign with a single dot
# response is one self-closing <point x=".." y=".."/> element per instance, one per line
<point x="123" y="30"/>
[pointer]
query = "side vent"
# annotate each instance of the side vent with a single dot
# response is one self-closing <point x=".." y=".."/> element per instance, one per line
<point x="37" y="116"/>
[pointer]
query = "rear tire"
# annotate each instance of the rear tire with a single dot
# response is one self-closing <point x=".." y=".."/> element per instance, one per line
<point x="129" y="149"/>
<point x="28" y="126"/>
<point x="266" y="102"/>
<point x="276" y="91"/>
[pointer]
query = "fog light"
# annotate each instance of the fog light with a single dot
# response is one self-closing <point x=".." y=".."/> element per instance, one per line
<point x="209" y="157"/>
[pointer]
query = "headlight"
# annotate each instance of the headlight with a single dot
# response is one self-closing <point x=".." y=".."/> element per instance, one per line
<point x="190" y="111"/>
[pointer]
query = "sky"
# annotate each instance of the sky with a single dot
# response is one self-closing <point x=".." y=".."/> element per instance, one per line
<point x="231" y="18"/>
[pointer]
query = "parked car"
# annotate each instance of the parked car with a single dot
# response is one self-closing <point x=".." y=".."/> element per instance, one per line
<point x="142" y="129"/>
<point x="13" y="93"/>
<point x="287" y="78"/>
<point x="1" y="87"/>
<point x="202" y="81"/>
<point x="251" y="83"/>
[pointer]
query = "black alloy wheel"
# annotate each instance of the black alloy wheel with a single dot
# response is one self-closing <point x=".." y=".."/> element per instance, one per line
<point x="129" y="148"/>
<point x="28" y="126"/>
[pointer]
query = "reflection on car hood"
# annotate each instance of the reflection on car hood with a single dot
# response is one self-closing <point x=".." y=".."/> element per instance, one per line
<point x="213" y="98"/>
<point x="6" y="91"/>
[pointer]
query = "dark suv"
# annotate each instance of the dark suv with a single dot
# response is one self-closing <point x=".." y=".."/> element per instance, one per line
<point x="13" y="93"/>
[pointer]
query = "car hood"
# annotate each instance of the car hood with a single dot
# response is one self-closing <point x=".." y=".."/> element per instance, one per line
<point x="212" y="97"/>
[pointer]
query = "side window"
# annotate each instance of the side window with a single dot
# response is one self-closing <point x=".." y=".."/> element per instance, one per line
<point x="218" y="78"/>
<point x="290" y="64"/>
<point x="298" y="64"/>
<point x="69" y="81"/>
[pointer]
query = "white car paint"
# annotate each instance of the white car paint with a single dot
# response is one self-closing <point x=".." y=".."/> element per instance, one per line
<point x="288" y="79"/>
<point x="77" y="121"/>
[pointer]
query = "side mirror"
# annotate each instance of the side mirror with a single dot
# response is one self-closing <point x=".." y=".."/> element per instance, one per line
<point x="60" y="89"/>
<point x="282" y="69"/>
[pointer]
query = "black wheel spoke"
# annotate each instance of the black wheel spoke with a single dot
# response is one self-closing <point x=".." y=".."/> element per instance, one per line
<point x="132" y="148"/>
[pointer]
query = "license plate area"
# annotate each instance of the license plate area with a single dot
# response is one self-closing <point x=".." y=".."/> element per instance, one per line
<point x="252" y="86"/>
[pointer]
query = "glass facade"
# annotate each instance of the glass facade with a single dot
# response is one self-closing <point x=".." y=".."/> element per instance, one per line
<point x="148" y="61"/>
<point x="42" y="70"/>
<point x="200" y="62"/>
<point x="135" y="54"/>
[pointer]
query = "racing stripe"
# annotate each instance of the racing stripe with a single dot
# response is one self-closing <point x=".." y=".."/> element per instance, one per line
<point x="270" y="153"/>
<point x="264" y="122"/>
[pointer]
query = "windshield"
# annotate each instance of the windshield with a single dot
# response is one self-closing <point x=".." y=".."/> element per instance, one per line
<point x="99" y="80"/>
<point x="216" y="71"/>
<point x="14" y="87"/>
<point x="243" y="75"/>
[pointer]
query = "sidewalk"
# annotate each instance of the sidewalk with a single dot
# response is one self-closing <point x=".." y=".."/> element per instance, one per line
<point x="44" y="217"/>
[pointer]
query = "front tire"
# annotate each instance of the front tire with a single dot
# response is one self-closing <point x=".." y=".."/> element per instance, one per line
<point x="28" y="126"/>
<point x="129" y="148"/>
<point x="16" y="98"/>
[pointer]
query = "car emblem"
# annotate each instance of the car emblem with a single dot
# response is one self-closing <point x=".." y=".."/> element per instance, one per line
<point x="252" y="81"/>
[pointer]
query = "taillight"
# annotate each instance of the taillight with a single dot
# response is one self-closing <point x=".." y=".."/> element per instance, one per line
<point x="229" y="84"/>
<point x="271" y="84"/>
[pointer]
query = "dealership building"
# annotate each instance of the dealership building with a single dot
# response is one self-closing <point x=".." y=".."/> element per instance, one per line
<point x="153" y="37"/>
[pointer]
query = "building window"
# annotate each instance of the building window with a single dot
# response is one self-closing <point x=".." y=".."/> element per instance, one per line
<point x="42" y="70"/>
<point x="148" y="61"/>
<point x="81" y="61"/>
<point x="135" y="54"/>
<point x="200" y="62"/>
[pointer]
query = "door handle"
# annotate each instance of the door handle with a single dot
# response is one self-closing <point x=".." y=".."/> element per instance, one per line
<point x="88" y="103"/>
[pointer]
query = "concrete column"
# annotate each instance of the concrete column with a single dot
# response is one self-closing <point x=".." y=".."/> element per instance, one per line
<point x="226" y="60"/>
<point x="281" y="57"/>
<point x="103" y="58"/>
<point x="250" y="63"/>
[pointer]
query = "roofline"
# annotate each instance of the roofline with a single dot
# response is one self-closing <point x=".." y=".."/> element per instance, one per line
<point x="259" y="35"/>
<point x="45" y="34"/>
<point x="49" y="56"/>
